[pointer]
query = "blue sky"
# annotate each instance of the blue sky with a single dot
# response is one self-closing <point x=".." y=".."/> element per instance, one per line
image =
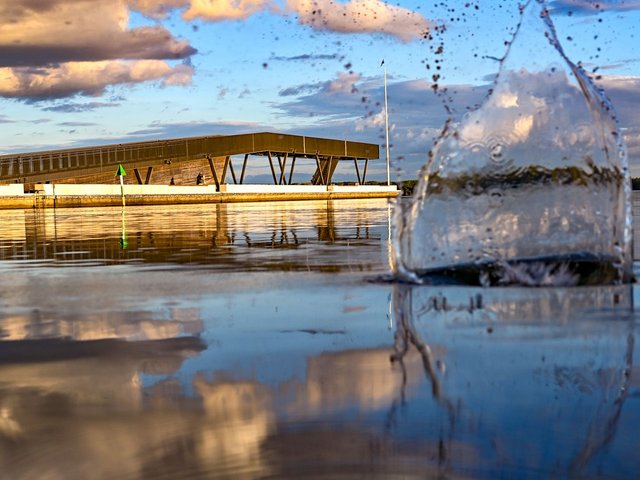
<point x="79" y="72"/>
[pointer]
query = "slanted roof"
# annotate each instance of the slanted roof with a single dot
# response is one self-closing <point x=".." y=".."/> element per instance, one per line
<point x="32" y="167"/>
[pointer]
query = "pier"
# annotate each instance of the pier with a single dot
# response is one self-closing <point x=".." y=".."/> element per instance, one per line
<point x="174" y="171"/>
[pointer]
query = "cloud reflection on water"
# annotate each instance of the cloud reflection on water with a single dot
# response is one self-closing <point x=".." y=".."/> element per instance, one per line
<point x="264" y="374"/>
<point x="531" y="379"/>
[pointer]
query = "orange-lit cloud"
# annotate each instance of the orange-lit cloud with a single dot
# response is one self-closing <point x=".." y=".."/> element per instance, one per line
<point x="354" y="16"/>
<point x="216" y="10"/>
<point x="360" y="16"/>
<point x="87" y="78"/>
<point x="208" y="10"/>
<point x="60" y="48"/>
<point x="46" y="32"/>
<point x="55" y="48"/>
<point x="157" y="9"/>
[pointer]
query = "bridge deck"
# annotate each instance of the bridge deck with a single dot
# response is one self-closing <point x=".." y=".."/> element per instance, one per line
<point x="48" y="166"/>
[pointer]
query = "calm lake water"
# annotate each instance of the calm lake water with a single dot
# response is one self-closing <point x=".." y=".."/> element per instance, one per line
<point x="253" y="341"/>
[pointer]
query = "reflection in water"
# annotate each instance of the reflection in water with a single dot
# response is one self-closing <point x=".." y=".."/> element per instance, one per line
<point x="541" y="392"/>
<point x="406" y="337"/>
<point x="549" y="369"/>
<point x="130" y="325"/>
<point x="85" y="417"/>
<point x="362" y="379"/>
<point x="124" y="243"/>
<point x="238" y="418"/>
<point x="132" y="369"/>
<point x="221" y="236"/>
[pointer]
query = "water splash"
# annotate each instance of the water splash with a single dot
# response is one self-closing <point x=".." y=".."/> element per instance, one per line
<point x="532" y="188"/>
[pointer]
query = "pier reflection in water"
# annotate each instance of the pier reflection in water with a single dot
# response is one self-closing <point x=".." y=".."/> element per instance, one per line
<point x="204" y="349"/>
<point x="224" y="236"/>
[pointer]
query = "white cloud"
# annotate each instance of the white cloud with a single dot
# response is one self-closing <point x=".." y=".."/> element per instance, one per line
<point x="180" y="75"/>
<point x="591" y="7"/>
<point x="360" y="16"/>
<point x="529" y="107"/>
<point x="371" y="122"/>
<point x="524" y="104"/>
<point x="344" y="83"/>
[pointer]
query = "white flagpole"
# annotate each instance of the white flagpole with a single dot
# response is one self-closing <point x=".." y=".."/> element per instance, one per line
<point x="386" y="121"/>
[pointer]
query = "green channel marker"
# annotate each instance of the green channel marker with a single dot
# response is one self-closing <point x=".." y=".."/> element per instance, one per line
<point x="121" y="173"/>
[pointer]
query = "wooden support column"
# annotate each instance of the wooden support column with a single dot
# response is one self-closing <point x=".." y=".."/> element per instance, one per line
<point x="280" y="166"/>
<point x="224" y="169"/>
<point x="233" y="173"/>
<point x="273" y="172"/>
<point x="319" y="167"/>
<point x="355" y="162"/>
<point x="138" y="177"/>
<point x="213" y="172"/>
<point x="283" y="166"/>
<point x="364" y="173"/>
<point x="331" y="168"/>
<point x="148" y="179"/>
<point x="244" y="167"/>
<point x="293" y="164"/>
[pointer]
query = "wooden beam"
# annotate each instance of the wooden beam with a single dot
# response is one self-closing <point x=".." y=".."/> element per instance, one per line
<point x="148" y="179"/>
<point x="364" y="173"/>
<point x="233" y="173"/>
<point x="280" y="166"/>
<point x="355" y="162"/>
<point x="293" y="164"/>
<point x="223" y="177"/>
<point x="283" y="166"/>
<point x="273" y="172"/>
<point x="319" y="167"/>
<point x="138" y="177"/>
<point x="331" y="167"/>
<point x="213" y="172"/>
<point x="244" y="167"/>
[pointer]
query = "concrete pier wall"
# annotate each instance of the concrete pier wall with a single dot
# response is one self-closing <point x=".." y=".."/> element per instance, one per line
<point x="130" y="189"/>
<point x="281" y="189"/>
<point x="13" y="190"/>
<point x="78" y="195"/>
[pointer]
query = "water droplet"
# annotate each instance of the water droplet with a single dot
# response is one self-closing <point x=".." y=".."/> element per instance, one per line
<point x="496" y="152"/>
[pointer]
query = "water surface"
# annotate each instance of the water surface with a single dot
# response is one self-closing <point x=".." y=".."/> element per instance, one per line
<point x="253" y="341"/>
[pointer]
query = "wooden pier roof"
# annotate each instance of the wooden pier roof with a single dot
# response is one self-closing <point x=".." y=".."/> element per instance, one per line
<point x="51" y="165"/>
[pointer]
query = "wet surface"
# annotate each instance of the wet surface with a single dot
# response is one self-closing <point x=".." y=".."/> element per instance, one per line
<point x="249" y="341"/>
